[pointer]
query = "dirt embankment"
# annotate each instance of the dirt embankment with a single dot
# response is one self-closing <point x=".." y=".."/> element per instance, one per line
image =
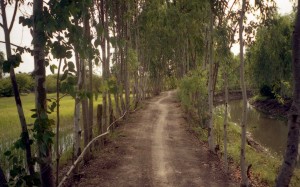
<point x="272" y="107"/>
<point x="233" y="95"/>
<point x="156" y="148"/>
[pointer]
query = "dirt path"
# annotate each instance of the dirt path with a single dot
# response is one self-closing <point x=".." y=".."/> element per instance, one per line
<point x="154" y="148"/>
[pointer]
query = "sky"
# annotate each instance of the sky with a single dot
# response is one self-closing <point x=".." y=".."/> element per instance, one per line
<point x="21" y="35"/>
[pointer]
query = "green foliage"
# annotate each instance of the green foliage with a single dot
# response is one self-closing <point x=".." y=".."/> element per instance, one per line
<point x="25" y="84"/>
<point x="266" y="90"/>
<point x="282" y="90"/>
<point x="264" y="165"/>
<point x="132" y="60"/>
<point x="13" y="60"/>
<point x="269" y="57"/>
<point x="113" y="85"/>
<point x="51" y="83"/>
<point x="172" y="36"/>
<point x="279" y="91"/>
<point x="193" y="93"/>
<point x="6" y="88"/>
<point x="18" y="175"/>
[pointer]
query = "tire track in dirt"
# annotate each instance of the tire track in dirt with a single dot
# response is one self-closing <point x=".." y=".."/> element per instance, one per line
<point x="155" y="148"/>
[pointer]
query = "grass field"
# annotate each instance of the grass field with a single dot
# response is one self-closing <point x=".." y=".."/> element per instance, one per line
<point x="10" y="127"/>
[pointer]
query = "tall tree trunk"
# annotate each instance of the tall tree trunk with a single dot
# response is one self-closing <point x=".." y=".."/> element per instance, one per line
<point x="225" y="120"/>
<point x="215" y="76"/>
<point x="57" y="121"/>
<point x="292" y="150"/>
<point x="76" y="123"/>
<point x="99" y="119"/>
<point x="245" y="181"/>
<point x="123" y="104"/>
<point x="18" y="101"/>
<point x="85" y="115"/>
<point x="104" y="63"/>
<point x="210" y="87"/>
<point x="118" y="110"/>
<point x="110" y="108"/>
<point x="87" y="34"/>
<point x="126" y="71"/>
<point x="40" y="95"/>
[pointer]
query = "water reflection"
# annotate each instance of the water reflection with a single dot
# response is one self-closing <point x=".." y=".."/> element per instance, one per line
<point x="271" y="133"/>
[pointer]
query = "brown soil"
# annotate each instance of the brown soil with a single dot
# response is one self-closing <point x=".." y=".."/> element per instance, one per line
<point x="155" y="148"/>
<point x="233" y="95"/>
<point x="273" y="108"/>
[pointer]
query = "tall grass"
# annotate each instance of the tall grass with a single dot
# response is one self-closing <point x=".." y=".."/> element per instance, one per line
<point x="10" y="127"/>
<point x="265" y="165"/>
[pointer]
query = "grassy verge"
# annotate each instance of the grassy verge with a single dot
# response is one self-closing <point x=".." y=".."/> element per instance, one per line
<point x="265" y="166"/>
<point x="10" y="125"/>
<point x="10" y="128"/>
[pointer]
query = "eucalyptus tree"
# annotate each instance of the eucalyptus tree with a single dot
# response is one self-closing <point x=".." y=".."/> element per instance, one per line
<point x="225" y="38"/>
<point x="87" y="102"/>
<point x="245" y="181"/>
<point x="210" y="136"/>
<point x="267" y="11"/>
<point x="270" y="60"/>
<point x="42" y="125"/>
<point x="292" y="150"/>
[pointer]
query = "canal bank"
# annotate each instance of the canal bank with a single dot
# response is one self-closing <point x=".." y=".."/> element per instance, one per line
<point x="264" y="149"/>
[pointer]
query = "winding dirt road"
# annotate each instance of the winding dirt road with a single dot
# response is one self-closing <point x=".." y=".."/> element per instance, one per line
<point x="155" y="148"/>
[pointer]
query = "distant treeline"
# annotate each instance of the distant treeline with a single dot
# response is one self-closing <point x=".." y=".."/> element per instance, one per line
<point x="26" y="84"/>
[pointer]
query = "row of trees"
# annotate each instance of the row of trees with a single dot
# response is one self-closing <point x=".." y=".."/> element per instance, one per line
<point x="24" y="81"/>
<point x="110" y="37"/>
<point x="196" y="38"/>
<point x="142" y="46"/>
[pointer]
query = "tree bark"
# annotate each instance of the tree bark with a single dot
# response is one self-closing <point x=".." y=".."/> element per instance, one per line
<point x="40" y="94"/>
<point x="126" y="72"/>
<point x="77" y="129"/>
<point x="292" y="150"/>
<point x="85" y="120"/>
<point x="245" y="181"/>
<point x="57" y="121"/>
<point x="110" y="109"/>
<point x="87" y="33"/>
<point x="99" y="119"/>
<point x="210" y="88"/>
<point x="16" y="90"/>
<point x="104" y="63"/>
<point x="225" y="121"/>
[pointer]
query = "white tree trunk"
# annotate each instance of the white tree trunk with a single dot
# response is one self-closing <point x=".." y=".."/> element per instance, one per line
<point x="245" y="181"/>
<point x="21" y="115"/>
<point x="77" y="128"/>
<point x="292" y="150"/>
<point x="225" y="121"/>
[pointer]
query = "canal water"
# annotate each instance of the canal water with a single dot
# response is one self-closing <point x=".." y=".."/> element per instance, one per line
<point x="270" y="133"/>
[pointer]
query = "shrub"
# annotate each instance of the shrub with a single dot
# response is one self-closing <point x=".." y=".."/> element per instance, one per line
<point x="193" y="94"/>
<point x="266" y="90"/>
<point x="6" y="88"/>
<point x="51" y="83"/>
<point x="24" y="81"/>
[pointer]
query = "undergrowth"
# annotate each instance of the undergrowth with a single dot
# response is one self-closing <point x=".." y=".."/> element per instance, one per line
<point x="265" y="166"/>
